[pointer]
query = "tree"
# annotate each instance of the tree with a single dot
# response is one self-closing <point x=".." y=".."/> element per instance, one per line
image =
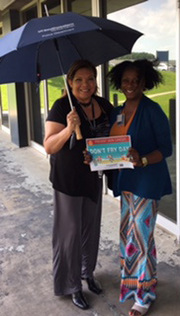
<point x="136" y="56"/>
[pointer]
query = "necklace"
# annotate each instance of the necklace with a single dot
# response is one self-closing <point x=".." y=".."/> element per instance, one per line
<point x="92" y="122"/>
<point x="86" y="104"/>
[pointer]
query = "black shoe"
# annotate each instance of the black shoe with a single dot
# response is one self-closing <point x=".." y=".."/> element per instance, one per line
<point x="94" y="285"/>
<point x="79" y="300"/>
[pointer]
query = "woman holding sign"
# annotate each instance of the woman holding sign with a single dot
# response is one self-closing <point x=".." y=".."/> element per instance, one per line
<point x="77" y="190"/>
<point x="142" y="187"/>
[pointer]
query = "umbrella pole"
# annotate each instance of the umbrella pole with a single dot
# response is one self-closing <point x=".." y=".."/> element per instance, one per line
<point x="77" y="130"/>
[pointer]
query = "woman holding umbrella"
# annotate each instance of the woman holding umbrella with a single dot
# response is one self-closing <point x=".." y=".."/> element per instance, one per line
<point x="77" y="190"/>
<point x="142" y="187"/>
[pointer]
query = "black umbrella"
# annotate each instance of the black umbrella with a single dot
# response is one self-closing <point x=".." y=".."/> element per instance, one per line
<point x="46" y="47"/>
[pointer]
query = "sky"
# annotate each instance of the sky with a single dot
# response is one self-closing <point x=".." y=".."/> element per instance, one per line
<point x="156" y="19"/>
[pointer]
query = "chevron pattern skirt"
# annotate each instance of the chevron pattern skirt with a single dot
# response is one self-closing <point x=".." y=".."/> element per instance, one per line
<point x="137" y="248"/>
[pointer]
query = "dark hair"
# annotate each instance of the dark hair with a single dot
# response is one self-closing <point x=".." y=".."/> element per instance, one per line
<point x="145" y="69"/>
<point x="78" y="64"/>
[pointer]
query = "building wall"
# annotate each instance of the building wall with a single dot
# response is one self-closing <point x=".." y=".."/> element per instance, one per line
<point x="26" y="115"/>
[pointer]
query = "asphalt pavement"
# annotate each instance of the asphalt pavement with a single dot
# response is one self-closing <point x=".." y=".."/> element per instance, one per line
<point x="26" y="216"/>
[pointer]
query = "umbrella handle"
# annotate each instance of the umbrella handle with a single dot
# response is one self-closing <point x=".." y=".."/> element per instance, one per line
<point x="78" y="133"/>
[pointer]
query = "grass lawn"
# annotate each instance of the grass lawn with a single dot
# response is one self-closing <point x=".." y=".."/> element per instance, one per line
<point x="55" y="86"/>
<point x="164" y="102"/>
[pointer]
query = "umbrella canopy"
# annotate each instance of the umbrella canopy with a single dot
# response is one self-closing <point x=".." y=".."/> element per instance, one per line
<point x="46" y="47"/>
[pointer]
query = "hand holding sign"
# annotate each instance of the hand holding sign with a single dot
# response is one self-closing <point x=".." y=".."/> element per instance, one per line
<point x="109" y="152"/>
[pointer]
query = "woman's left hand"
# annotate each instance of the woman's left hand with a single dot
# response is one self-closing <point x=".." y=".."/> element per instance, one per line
<point x="87" y="157"/>
<point x="134" y="157"/>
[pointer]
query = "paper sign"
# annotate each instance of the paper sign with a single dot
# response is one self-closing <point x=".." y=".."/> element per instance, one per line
<point x="109" y="152"/>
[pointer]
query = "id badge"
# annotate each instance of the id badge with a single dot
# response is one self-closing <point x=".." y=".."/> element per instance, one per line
<point x="121" y="119"/>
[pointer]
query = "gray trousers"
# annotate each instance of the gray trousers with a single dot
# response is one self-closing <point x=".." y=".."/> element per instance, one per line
<point x="76" y="233"/>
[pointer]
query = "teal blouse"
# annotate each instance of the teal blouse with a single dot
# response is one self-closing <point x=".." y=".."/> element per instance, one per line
<point x="149" y="131"/>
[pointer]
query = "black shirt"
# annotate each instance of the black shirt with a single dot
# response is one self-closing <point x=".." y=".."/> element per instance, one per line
<point x="68" y="173"/>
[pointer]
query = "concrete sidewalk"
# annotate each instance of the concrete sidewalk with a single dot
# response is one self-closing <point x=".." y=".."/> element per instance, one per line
<point x="26" y="210"/>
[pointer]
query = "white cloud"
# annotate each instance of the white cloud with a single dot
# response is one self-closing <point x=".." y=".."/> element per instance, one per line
<point x="157" y="20"/>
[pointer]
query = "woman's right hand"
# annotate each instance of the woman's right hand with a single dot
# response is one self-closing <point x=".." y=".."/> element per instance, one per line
<point x="57" y="134"/>
<point x="73" y="120"/>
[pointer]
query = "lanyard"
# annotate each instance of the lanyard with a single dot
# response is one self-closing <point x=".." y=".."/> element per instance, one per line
<point x="92" y="122"/>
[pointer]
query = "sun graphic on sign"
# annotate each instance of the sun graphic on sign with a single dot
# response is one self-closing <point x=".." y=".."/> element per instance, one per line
<point x="90" y="143"/>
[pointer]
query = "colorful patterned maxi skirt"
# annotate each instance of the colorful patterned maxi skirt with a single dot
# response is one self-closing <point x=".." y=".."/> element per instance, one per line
<point x="137" y="248"/>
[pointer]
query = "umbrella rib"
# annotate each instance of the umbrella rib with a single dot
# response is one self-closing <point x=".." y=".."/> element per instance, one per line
<point x="74" y="47"/>
<point x="110" y="36"/>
